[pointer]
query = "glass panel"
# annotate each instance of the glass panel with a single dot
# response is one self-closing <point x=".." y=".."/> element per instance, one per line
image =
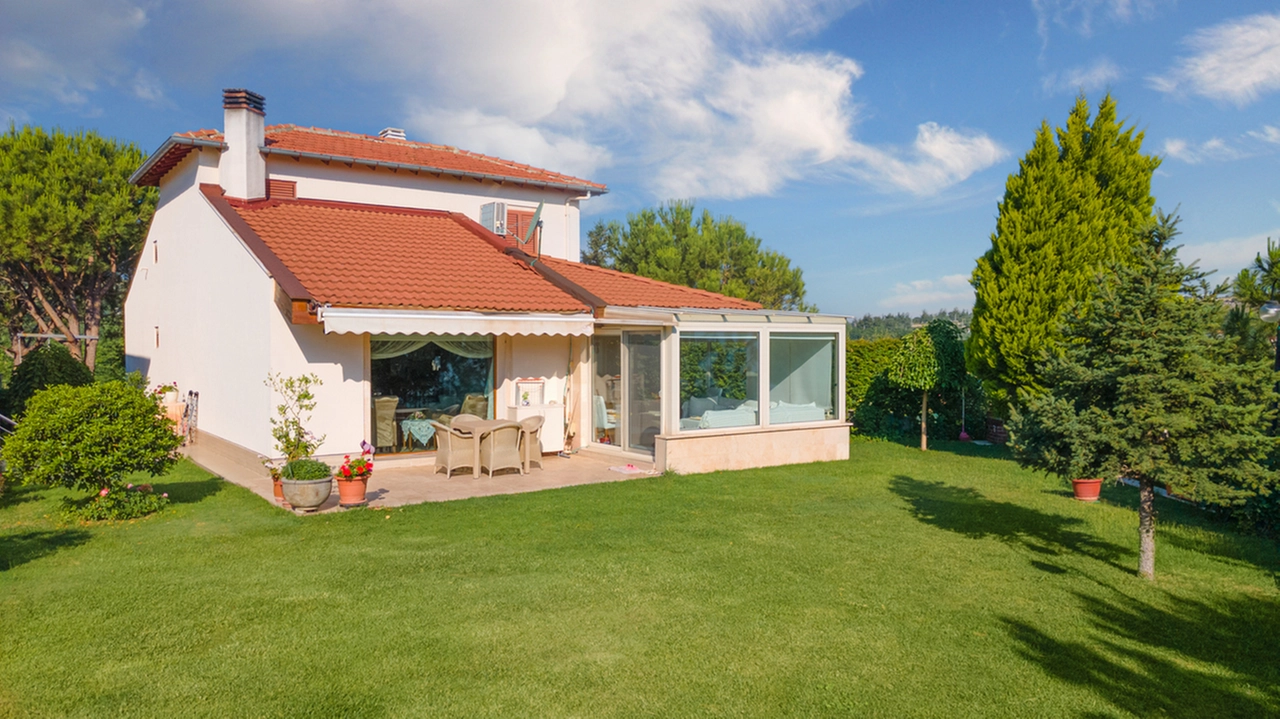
<point x="644" y="389"/>
<point x="416" y="378"/>
<point x="606" y="393"/>
<point x="802" y="378"/>
<point x="719" y="380"/>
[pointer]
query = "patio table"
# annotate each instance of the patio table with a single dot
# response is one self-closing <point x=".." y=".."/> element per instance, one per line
<point x="477" y="429"/>
<point x="419" y="429"/>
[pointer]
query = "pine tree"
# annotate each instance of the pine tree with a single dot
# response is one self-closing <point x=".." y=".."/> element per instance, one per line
<point x="1075" y="206"/>
<point x="1148" y="388"/>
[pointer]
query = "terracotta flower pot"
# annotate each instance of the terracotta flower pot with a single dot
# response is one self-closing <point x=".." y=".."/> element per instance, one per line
<point x="351" y="492"/>
<point x="277" y="489"/>
<point x="1087" y="490"/>
<point x="307" y="494"/>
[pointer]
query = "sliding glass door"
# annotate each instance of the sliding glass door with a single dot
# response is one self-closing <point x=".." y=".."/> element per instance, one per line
<point x="627" y="390"/>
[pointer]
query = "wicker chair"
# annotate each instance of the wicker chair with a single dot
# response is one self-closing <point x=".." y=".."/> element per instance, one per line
<point x="453" y="449"/>
<point x="531" y="441"/>
<point x="477" y="404"/>
<point x="500" y="448"/>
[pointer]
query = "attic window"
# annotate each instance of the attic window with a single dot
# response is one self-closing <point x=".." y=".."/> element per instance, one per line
<point x="518" y="222"/>
<point x="282" y="189"/>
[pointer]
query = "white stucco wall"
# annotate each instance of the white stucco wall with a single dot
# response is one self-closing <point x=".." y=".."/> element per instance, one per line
<point x="211" y="304"/>
<point x="339" y="361"/>
<point x="560" y="217"/>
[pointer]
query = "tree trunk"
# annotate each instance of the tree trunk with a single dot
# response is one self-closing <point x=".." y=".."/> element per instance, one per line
<point x="924" y="422"/>
<point x="1146" y="529"/>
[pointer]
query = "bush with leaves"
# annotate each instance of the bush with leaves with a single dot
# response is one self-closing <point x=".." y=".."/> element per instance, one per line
<point x="306" y="469"/>
<point x="46" y="366"/>
<point x="129" y="502"/>
<point x="865" y="360"/>
<point x="90" y="438"/>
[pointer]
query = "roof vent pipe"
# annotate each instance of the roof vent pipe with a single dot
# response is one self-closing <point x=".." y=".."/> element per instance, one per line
<point x="242" y="170"/>
<point x="392" y="133"/>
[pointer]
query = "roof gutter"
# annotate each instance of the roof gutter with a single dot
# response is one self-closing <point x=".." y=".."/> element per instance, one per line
<point x="460" y="174"/>
<point x="169" y="144"/>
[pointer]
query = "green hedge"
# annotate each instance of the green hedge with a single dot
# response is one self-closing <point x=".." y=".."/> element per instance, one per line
<point x="48" y="365"/>
<point x="878" y="408"/>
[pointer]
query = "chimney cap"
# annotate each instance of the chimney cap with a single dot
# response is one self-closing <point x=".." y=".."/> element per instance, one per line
<point x="234" y="98"/>
<point x="392" y="133"/>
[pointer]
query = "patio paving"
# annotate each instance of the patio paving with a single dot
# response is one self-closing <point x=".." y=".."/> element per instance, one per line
<point x="414" y="480"/>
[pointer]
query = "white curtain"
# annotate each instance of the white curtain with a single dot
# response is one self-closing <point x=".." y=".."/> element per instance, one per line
<point x="801" y="369"/>
<point x="387" y="347"/>
<point x="471" y="346"/>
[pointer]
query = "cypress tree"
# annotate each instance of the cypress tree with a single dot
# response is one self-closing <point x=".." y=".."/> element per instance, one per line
<point x="1076" y="204"/>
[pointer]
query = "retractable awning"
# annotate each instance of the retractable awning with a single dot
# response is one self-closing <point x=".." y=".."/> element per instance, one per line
<point x="357" y="320"/>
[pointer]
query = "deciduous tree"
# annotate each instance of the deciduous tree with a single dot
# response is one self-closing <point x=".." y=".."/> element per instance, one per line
<point x="1076" y="204"/>
<point x="931" y="357"/>
<point x="71" y="226"/>
<point x="666" y="243"/>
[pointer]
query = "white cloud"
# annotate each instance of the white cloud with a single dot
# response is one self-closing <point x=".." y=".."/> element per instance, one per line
<point x="503" y="137"/>
<point x="1097" y="76"/>
<point x="692" y="98"/>
<point x="1211" y="150"/>
<point x="1228" y="256"/>
<point x="942" y="293"/>
<point x="1268" y="133"/>
<point x="1082" y="15"/>
<point x="1237" y="61"/>
<point x="65" y="49"/>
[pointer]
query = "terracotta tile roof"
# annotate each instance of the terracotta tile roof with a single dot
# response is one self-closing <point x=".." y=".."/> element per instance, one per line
<point x="623" y="290"/>
<point x="353" y="255"/>
<point x="295" y="139"/>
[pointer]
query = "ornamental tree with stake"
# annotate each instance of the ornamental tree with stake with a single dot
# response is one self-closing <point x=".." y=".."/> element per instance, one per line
<point x="1150" y="389"/>
<point x="931" y="357"/>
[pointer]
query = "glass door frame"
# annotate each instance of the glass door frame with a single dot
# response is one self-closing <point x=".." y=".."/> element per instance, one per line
<point x="624" y="393"/>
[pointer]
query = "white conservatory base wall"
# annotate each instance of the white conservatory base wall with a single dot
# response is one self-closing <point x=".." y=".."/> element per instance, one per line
<point x="709" y="451"/>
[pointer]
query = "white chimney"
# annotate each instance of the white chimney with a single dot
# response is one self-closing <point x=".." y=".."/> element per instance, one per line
<point x="392" y="133"/>
<point x="242" y="169"/>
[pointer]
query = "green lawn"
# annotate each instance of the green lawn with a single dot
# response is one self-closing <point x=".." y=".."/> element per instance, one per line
<point x="896" y="584"/>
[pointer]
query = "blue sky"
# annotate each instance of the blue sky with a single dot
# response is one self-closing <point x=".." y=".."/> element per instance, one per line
<point x="869" y="141"/>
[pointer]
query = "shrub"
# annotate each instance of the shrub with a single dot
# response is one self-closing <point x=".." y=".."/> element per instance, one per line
<point x="46" y="366"/>
<point x="303" y="469"/>
<point x="288" y="426"/>
<point x="90" y="437"/>
<point x="864" y="361"/>
<point x="128" y="502"/>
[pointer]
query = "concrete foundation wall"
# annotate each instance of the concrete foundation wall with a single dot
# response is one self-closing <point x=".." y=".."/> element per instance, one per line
<point x="692" y="453"/>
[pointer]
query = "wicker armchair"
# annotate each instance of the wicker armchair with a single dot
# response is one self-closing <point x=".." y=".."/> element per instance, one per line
<point x="384" y="420"/>
<point x="454" y="449"/>
<point x="500" y="448"/>
<point x="531" y="441"/>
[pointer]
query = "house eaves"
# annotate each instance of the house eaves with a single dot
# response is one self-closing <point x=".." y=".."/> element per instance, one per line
<point x="169" y="155"/>
<point x="428" y="169"/>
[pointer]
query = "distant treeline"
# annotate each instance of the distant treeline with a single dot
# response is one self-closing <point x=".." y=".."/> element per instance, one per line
<point x="899" y="325"/>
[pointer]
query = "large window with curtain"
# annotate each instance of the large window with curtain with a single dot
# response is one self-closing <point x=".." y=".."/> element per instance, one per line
<point x="418" y="378"/>
<point x="803" y="378"/>
<point x="719" y="380"/>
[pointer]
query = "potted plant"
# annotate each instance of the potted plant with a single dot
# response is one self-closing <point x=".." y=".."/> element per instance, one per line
<point x="353" y="477"/>
<point x="304" y="482"/>
<point x="1086" y="490"/>
<point x="307" y="483"/>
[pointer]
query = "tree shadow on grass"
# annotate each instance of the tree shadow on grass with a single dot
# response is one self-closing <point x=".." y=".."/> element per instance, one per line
<point x="965" y="511"/>
<point x="21" y="494"/>
<point x="192" y="491"/>
<point x="18" y="549"/>
<point x="1186" y="659"/>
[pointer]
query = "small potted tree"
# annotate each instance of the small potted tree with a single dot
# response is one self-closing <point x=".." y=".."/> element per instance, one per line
<point x="353" y="477"/>
<point x="305" y="482"/>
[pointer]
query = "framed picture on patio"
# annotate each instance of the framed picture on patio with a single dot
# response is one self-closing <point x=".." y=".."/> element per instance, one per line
<point x="528" y="392"/>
